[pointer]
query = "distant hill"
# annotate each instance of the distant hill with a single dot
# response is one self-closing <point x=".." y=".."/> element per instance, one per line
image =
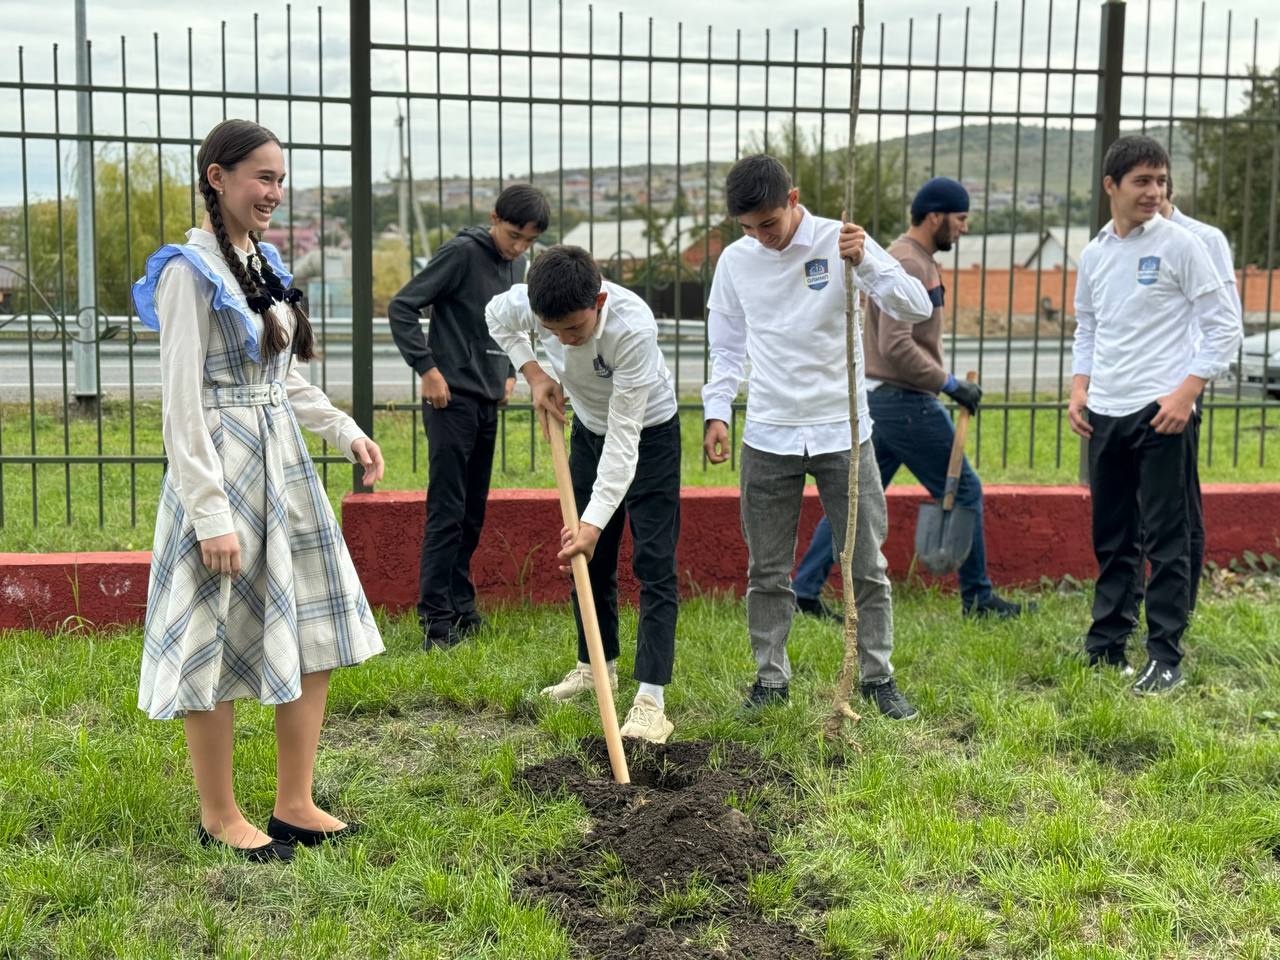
<point x="939" y="155"/>
<point x="929" y="156"/>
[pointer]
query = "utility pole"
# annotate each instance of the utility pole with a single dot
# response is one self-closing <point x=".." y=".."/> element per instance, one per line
<point x="85" y="346"/>
<point x="402" y="180"/>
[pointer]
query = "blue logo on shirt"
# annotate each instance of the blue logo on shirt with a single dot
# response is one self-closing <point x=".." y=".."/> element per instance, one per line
<point x="1148" y="270"/>
<point x="601" y="368"/>
<point x="816" y="274"/>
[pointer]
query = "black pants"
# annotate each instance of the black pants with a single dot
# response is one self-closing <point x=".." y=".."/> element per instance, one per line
<point x="652" y="504"/>
<point x="1141" y="487"/>
<point x="1195" y="508"/>
<point x="460" y="440"/>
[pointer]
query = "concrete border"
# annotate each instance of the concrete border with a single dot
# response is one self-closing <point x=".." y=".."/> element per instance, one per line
<point x="1032" y="531"/>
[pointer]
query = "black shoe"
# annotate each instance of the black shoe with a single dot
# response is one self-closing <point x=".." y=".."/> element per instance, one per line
<point x="889" y="700"/>
<point x="469" y="624"/>
<point x="434" y="638"/>
<point x="814" y="607"/>
<point x="1157" y="678"/>
<point x="998" y="607"/>
<point x="764" y="696"/>
<point x="268" y="852"/>
<point x="1113" y="659"/>
<point x="287" y="833"/>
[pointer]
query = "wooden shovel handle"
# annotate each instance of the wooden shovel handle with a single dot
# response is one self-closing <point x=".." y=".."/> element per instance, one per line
<point x="957" y="451"/>
<point x="587" y="608"/>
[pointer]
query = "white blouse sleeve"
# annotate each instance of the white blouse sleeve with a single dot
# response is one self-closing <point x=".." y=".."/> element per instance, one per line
<point x="314" y="410"/>
<point x="194" y="465"/>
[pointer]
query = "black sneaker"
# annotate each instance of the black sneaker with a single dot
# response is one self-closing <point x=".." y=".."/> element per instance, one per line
<point x="889" y="700"/>
<point x="998" y="607"/>
<point x="814" y="607"/>
<point x="433" y="638"/>
<point x="1112" y="659"/>
<point x="764" y="696"/>
<point x="1157" y="678"/>
<point x="469" y="624"/>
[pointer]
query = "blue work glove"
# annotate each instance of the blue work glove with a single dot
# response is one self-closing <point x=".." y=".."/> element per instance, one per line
<point x="967" y="394"/>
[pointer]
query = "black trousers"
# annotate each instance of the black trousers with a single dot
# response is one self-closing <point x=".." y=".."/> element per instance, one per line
<point x="460" y="441"/>
<point x="1195" y="508"/>
<point x="1141" y="485"/>
<point x="652" y="505"/>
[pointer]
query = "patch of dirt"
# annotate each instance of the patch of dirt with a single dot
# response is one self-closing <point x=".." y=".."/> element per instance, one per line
<point x="665" y="868"/>
<point x="1127" y="754"/>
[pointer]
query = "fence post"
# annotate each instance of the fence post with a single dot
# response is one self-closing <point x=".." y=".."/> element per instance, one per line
<point x="361" y="228"/>
<point x="1105" y="131"/>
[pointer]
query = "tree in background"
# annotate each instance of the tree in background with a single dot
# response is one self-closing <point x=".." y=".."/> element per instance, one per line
<point x="1239" y="173"/>
<point x="155" y="185"/>
<point x="819" y="169"/>
<point x="390" y="270"/>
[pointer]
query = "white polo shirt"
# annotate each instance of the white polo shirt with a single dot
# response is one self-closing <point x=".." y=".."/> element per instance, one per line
<point x="1151" y="309"/>
<point x="783" y="310"/>
<point x="1215" y="242"/>
<point x="617" y="380"/>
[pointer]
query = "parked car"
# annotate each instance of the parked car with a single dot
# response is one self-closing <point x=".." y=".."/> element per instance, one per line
<point x="1259" y="363"/>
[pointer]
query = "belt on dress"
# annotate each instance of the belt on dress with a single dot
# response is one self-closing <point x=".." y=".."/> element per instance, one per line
<point x="248" y="395"/>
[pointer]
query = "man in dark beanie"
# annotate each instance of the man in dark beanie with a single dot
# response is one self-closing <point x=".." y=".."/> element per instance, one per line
<point x="904" y="376"/>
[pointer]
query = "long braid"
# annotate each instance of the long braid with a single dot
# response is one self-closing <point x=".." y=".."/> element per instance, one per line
<point x="304" y="341"/>
<point x="274" y="338"/>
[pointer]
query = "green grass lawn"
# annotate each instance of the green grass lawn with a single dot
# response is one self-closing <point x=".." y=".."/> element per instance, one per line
<point x="113" y="507"/>
<point x="1037" y="809"/>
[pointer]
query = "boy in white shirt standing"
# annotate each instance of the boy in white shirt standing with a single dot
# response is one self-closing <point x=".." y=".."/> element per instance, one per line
<point x="1154" y="323"/>
<point x="778" y="299"/>
<point x="1215" y="242"/>
<point x="602" y="343"/>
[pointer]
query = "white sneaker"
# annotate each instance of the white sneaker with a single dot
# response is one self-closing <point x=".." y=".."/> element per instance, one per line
<point x="576" y="681"/>
<point x="646" y="721"/>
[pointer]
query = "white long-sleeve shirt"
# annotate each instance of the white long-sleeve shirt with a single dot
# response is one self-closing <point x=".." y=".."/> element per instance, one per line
<point x="618" y="380"/>
<point x="783" y="310"/>
<point x="1215" y="241"/>
<point x="183" y="306"/>
<point x="1151" y="310"/>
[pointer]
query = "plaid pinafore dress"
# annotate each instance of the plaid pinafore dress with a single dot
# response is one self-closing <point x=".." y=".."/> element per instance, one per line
<point x="297" y="606"/>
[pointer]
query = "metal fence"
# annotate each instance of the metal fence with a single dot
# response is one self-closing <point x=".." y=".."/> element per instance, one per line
<point x="629" y="126"/>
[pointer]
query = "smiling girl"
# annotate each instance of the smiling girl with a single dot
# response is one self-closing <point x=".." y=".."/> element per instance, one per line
<point x="252" y="591"/>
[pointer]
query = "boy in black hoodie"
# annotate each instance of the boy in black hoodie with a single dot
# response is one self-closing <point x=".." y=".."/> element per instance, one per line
<point x="465" y="377"/>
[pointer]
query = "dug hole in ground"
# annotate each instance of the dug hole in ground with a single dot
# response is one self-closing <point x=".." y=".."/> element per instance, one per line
<point x="668" y="867"/>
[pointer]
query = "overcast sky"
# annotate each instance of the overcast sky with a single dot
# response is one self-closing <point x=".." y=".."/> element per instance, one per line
<point x="1050" y="34"/>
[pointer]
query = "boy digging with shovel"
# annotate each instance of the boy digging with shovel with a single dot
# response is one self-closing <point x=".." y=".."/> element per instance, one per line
<point x="602" y="343"/>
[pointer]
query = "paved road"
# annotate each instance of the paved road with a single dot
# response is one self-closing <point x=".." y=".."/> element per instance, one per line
<point x="1027" y="367"/>
<point x="392" y="380"/>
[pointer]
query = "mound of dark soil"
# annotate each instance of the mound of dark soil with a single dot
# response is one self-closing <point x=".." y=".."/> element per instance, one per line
<point x="664" y="870"/>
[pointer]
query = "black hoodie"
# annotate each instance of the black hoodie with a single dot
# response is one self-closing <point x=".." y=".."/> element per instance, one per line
<point x="464" y="274"/>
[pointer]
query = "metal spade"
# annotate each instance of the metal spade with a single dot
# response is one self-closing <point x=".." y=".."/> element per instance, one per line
<point x="944" y="532"/>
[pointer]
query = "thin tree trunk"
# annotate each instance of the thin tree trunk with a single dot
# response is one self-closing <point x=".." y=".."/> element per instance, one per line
<point x="841" y="710"/>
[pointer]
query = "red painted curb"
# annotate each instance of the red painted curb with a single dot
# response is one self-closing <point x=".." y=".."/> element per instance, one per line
<point x="42" y="590"/>
<point x="1031" y="531"/>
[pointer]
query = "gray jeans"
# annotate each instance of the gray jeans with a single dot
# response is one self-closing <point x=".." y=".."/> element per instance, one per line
<point x="772" y="491"/>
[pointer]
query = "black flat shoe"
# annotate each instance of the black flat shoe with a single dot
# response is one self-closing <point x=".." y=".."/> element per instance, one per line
<point x="283" y="832"/>
<point x="267" y="853"/>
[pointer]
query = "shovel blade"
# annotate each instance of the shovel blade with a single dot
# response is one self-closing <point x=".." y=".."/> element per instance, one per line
<point x="944" y="537"/>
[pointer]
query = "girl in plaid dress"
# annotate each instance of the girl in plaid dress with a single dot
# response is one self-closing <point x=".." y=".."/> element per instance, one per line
<point x="252" y="591"/>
